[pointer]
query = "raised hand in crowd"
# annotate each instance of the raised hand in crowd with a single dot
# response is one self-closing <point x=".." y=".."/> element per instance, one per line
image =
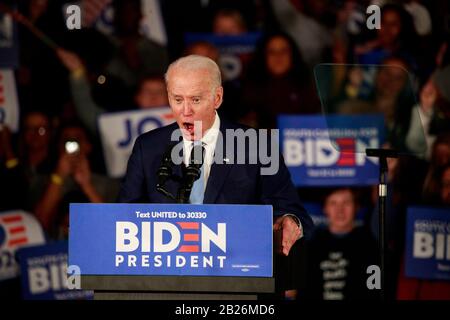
<point x="428" y="96"/>
<point x="70" y="60"/>
<point x="77" y="166"/>
<point x="66" y="164"/>
<point x="82" y="176"/>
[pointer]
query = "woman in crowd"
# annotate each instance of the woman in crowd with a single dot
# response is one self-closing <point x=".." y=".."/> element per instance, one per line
<point x="440" y="158"/>
<point x="277" y="83"/>
<point x="397" y="36"/>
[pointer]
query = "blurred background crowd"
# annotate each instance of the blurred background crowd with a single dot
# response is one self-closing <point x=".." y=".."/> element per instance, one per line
<point x="62" y="91"/>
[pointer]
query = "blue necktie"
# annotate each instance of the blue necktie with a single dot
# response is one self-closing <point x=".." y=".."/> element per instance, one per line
<point x="198" y="189"/>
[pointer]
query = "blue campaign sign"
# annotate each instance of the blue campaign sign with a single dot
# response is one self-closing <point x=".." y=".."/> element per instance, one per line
<point x="44" y="273"/>
<point x="246" y="39"/>
<point x="330" y="151"/>
<point x="235" y="50"/>
<point x="171" y="239"/>
<point x="428" y="243"/>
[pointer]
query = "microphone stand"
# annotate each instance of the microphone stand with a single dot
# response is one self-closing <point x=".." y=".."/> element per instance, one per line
<point x="382" y="155"/>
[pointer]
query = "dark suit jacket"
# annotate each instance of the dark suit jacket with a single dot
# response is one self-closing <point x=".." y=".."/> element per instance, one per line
<point x="227" y="183"/>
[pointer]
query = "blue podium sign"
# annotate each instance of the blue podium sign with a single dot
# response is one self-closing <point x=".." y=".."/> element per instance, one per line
<point x="171" y="239"/>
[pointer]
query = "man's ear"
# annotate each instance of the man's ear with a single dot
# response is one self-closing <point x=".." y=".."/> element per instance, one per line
<point x="218" y="97"/>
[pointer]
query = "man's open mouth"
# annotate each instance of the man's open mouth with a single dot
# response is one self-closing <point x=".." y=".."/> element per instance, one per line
<point x="188" y="126"/>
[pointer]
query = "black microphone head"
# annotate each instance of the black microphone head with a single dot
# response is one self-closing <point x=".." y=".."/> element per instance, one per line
<point x="164" y="172"/>
<point x="192" y="172"/>
<point x="197" y="156"/>
<point x="165" y="169"/>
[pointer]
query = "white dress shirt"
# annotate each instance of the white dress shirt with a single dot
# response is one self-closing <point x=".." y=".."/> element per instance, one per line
<point x="209" y="140"/>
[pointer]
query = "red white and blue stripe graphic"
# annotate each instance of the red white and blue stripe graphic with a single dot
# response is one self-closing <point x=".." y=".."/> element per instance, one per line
<point x="13" y="231"/>
<point x="191" y="236"/>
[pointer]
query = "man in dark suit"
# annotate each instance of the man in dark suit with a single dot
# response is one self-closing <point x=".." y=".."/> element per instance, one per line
<point x="195" y="93"/>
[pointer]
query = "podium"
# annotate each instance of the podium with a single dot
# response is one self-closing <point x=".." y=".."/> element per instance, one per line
<point x="177" y="287"/>
<point x="173" y="251"/>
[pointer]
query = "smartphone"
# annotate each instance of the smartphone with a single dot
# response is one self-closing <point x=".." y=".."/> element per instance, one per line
<point x="72" y="147"/>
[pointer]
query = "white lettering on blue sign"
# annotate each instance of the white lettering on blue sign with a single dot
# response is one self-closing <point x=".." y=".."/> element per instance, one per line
<point x="428" y="245"/>
<point x="127" y="236"/>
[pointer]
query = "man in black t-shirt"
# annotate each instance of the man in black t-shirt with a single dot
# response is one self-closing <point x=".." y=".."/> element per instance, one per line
<point x="337" y="256"/>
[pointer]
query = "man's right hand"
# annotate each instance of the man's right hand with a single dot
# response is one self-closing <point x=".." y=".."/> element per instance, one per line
<point x="287" y="232"/>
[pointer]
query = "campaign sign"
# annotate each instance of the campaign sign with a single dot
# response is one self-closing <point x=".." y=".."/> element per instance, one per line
<point x="330" y="151"/>
<point x="9" y="106"/>
<point x="9" y="49"/>
<point x="17" y="229"/>
<point x="119" y="130"/>
<point x="171" y="239"/>
<point x="428" y="243"/>
<point x="45" y="276"/>
<point x="100" y="15"/>
<point x="235" y="50"/>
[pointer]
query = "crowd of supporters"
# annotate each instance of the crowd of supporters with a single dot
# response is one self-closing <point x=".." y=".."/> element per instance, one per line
<point x="63" y="91"/>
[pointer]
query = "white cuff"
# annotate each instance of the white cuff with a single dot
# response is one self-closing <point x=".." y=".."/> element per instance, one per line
<point x="297" y="220"/>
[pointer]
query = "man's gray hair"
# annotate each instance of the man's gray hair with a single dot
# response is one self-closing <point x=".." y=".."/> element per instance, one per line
<point x="196" y="62"/>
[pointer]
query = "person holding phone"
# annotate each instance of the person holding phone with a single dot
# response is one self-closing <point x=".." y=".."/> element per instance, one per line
<point x="72" y="180"/>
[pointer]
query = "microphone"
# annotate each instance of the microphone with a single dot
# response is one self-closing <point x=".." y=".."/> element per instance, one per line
<point x="197" y="156"/>
<point x="164" y="172"/>
<point x="191" y="173"/>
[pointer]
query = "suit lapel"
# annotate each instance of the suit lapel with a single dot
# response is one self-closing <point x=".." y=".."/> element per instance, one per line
<point x="218" y="173"/>
<point x="217" y="177"/>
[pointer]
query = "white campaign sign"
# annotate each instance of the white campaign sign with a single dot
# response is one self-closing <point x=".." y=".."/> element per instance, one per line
<point x="152" y="25"/>
<point x="119" y="130"/>
<point x="101" y="14"/>
<point x="9" y="107"/>
<point x="17" y="229"/>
